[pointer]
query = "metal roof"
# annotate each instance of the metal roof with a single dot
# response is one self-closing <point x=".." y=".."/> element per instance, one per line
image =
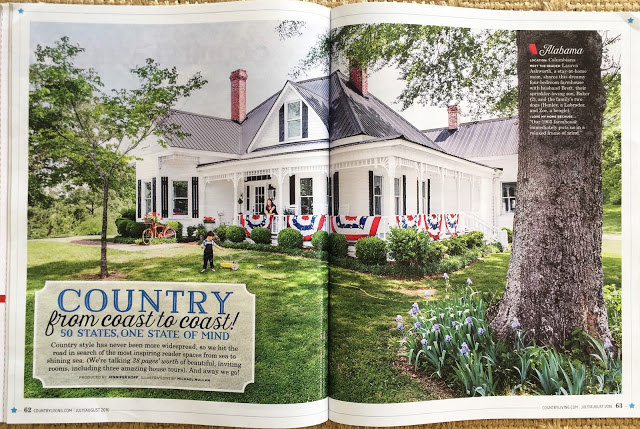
<point x="205" y="132"/>
<point x="337" y="102"/>
<point x="353" y="114"/>
<point x="492" y="137"/>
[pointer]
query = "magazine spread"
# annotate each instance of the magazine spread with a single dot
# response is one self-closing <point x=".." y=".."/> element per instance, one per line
<point x="272" y="214"/>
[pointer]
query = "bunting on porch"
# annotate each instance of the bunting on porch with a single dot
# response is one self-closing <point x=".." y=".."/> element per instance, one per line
<point x="433" y="222"/>
<point x="306" y="224"/>
<point x="355" y="227"/>
<point x="451" y="223"/>
<point x="409" y="221"/>
<point x="249" y="222"/>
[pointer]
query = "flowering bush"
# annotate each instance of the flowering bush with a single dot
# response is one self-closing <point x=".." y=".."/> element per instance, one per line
<point x="152" y="217"/>
<point x="208" y="219"/>
<point x="451" y="339"/>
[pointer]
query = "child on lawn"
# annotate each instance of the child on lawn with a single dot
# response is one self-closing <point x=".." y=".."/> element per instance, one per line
<point x="208" y="245"/>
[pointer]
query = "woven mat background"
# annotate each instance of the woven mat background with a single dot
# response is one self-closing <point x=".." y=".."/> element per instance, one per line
<point x="554" y="5"/>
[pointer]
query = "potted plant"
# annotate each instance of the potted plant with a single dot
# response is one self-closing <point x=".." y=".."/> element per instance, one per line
<point x="209" y="223"/>
<point x="240" y="201"/>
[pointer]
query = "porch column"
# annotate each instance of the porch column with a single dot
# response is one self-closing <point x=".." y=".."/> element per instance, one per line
<point x="458" y="190"/>
<point x="390" y="206"/>
<point x="420" y="180"/>
<point x="442" y="176"/>
<point x="235" y="199"/>
<point x="280" y="173"/>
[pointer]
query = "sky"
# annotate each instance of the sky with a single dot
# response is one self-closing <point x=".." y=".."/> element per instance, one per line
<point x="215" y="50"/>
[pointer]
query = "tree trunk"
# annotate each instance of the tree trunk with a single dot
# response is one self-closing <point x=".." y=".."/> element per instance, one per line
<point x="104" y="273"/>
<point x="554" y="281"/>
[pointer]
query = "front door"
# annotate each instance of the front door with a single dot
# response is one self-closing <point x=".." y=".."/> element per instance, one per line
<point x="259" y="200"/>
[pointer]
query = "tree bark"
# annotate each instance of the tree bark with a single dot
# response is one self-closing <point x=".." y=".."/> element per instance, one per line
<point x="104" y="273"/>
<point x="554" y="282"/>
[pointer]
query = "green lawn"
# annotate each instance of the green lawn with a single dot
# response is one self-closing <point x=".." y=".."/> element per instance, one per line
<point x="363" y="341"/>
<point x="612" y="219"/>
<point x="291" y="322"/>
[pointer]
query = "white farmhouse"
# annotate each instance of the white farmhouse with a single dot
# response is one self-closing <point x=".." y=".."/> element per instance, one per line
<point x="492" y="142"/>
<point x="322" y="149"/>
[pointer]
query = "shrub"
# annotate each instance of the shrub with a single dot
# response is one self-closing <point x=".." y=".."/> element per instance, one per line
<point x="338" y="246"/>
<point x="129" y="214"/>
<point x="201" y="232"/>
<point x="406" y="246"/>
<point x="135" y="229"/>
<point x="456" y="245"/>
<point x="371" y="250"/>
<point x="433" y="251"/>
<point x="261" y="235"/>
<point x="474" y="239"/>
<point x="290" y="238"/>
<point x="320" y="240"/>
<point x="236" y="233"/>
<point x="123" y="226"/>
<point x="509" y="235"/>
<point x="221" y="232"/>
<point x="177" y="226"/>
<point x="190" y="231"/>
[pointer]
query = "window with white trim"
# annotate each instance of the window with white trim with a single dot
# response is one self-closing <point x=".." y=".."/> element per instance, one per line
<point x="377" y="195"/>
<point x="146" y="192"/>
<point x="180" y="198"/>
<point x="424" y="198"/>
<point x="329" y="196"/>
<point x="293" y="119"/>
<point x="396" y="194"/>
<point x="509" y="197"/>
<point x="306" y="196"/>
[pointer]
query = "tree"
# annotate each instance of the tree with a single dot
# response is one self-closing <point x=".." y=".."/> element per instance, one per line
<point x="612" y="146"/>
<point x="555" y="272"/>
<point x="82" y="136"/>
<point x="554" y="282"/>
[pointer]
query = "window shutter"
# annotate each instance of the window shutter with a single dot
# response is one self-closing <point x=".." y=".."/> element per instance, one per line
<point x="139" y="198"/>
<point x="281" y="120"/>
<point x="404" y="194"/>
<point x="305" y="121"/>
<point x="247" y="200"/>
<point x="164" y="196"/>
<point x="194" y="198"/>
<point x="292" y="190"/>
<point x="336" y="193"/>
<point x="370" y="193"/>
<point x="153" y="195"/>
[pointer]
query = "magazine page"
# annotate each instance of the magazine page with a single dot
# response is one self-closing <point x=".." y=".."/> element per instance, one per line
<point x="4" y="162"/>
<point x="157" y="155"/>
<point x="482" y="185"/>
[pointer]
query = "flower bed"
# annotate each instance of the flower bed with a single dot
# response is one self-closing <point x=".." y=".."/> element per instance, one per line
<point x="451" y="339"/>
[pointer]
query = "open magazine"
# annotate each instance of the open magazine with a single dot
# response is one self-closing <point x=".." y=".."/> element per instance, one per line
<point x="272" y="214"/>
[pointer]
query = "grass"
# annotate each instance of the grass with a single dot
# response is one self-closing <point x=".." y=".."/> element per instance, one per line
<point x="612" y="219"/>
<point x="363" y="341"/>
<point x="291" y="314"/>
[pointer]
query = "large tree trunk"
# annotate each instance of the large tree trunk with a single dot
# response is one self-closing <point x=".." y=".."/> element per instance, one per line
<point x="554" y="282"/>
<point x="104" y="273"/>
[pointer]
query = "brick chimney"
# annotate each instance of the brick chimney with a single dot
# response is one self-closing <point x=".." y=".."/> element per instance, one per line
<point x="238" y="80"/>
<point x="358" y="78"/>
<point x="453" y="112"/>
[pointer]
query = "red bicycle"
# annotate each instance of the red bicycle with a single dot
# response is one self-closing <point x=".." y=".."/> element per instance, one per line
<point x="157" y="230"/>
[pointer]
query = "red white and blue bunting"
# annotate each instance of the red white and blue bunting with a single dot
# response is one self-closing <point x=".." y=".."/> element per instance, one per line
<point x="355" y="227"/>
<point x="409" y="221"/>
<point x="306" y="224"/>
<point x="433" y="222"/>
<point x="249" y="222"/>
<point x="451" y="223"/>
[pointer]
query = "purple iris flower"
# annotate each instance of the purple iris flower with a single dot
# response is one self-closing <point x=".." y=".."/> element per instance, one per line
<point x="464" y="349"/>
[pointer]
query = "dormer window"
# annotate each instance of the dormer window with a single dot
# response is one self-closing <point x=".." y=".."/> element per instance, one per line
<point x="294" y="119"/>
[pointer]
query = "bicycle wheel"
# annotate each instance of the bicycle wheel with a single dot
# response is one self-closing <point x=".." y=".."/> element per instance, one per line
<point x="169" y="232"/>
<point x="147" y="235"/>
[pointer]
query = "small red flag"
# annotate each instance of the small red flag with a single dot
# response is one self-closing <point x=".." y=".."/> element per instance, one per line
<point x="532" y="49"/>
